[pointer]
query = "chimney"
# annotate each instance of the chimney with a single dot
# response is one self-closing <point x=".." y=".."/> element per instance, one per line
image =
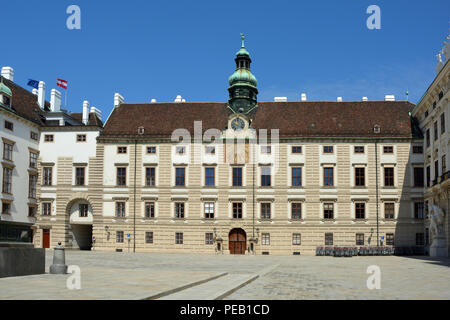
<point x="153" y="101"/>
<point x="339" y="99"/>
<point x="8" y="73"/>
<point x="85" y="118"/>
<point x="364" y="99"/>
<point x="55" y="100"/>
<point x="303" y="97"/>
<point x="35" y="91"/>
<point x="280" y="99"/>
<point x="389" y="97"/>
<point x="41" y="94"/>
<point x="97" y="112"/>
<point x="118" y="99"/>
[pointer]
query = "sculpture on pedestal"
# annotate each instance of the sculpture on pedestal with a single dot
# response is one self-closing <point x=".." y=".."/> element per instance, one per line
<point x="438" y="246"/>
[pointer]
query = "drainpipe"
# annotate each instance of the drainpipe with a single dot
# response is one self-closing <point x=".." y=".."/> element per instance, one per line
<point x="376" y="176"/>
<point x="134" y="198"/>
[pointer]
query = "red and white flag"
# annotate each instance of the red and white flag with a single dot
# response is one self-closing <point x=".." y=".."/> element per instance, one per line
<point x="61" y="83"/>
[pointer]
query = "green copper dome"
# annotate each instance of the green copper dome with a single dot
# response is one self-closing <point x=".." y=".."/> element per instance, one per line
<point x="4" y="89"/>
<point x="242" y="76"/>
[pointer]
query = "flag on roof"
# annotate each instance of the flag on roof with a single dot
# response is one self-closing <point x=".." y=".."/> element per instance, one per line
<point x="61" y="83"/>
<point x="33" y="83"/>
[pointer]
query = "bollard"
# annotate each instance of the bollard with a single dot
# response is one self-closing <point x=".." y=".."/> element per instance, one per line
<point x="59" y="260"/>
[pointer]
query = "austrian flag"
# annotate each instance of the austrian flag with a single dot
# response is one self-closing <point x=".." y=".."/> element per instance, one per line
<point x="61" y="83"/>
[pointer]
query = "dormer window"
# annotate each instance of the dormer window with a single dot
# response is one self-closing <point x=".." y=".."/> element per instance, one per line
<point x="6" y="101"/>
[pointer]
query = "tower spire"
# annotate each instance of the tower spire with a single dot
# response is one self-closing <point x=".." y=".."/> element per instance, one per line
<point x="243" y="38"/>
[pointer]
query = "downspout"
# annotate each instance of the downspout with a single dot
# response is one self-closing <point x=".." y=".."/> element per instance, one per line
<point x="134" y="198"/>
<point x="376" y="179"/>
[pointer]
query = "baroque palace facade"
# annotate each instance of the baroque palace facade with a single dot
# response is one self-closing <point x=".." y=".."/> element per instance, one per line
<point x="278" y="177"/>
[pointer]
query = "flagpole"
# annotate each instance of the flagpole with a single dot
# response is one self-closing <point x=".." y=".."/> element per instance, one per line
<point x="67" y="89"/>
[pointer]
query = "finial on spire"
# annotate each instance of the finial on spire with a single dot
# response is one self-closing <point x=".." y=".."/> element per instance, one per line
<point x="243" y="38"/>
<point x="407" y="95"/>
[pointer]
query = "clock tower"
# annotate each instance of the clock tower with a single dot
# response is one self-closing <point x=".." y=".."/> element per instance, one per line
<point x="243" y="84"/>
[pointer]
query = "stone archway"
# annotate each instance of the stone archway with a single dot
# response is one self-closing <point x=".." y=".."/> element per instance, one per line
<point x="80" y="221"/>
<point x="237" y="241"/>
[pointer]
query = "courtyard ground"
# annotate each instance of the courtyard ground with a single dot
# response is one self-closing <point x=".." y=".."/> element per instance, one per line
<point x="111" y="275"/>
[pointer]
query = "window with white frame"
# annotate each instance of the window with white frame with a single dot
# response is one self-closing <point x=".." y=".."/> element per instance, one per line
<point x="209" y="210"/>
<point x="265" y="239"/>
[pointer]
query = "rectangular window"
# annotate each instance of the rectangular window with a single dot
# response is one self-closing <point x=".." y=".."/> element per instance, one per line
<point x="209" y="177"/>
<point x="266" y="149"/>
<point x="428" y="137"/>
<point x="179" y="210"/>
<point x="32" y="211"/>
<point x="149" y="209"/>
<point x="209" y="238"/>
<point x="360" y="180"/>
<point x="83" y="209"/>
<point x="46" y="208"/>
<point x="328" y="177"/>
<point x="237" y="177"/>
<point x="237" y="210"/>
<point x="7" y="151"/>
<point x="33" y="160"/>
<point x="6" y="208"/>
<point x="328" y="211"/>
<point x="418" y="149"/>
<point x="7" y="180"/>
<point x="435" y="129"/>
<point x="389" y="239"/>
<point x="180" y="150"/>
<point x="81" y="138"/>
<point x="120" y="209"/>
<point x="47" y="176"/>
<point x="418" y="177"/>
<point x="360" y="210"/>
<point x="265" y="239"/>
<point x="180" y="176"/>
<point x="119" y="236"/>
<point x="48" y="138"/>
<point x="296" y="210"/>
<point x="265" y="177"/>
<point x="9" y="125"/>
<point x="420" y="239"/>
<point x="359" y="149"/>
<point x="389" y="210"/>
<point x="148" y="237"/>
<point x="428" y="176"/>
<point x="265" y="210"/>
<point x="178" y="238"/>
<point x="296" y="177"/>
<point x="328" y="149"/>
<point x="389" y="177"/>
<point x="210" y="150"/>
<point x="444" y="164"/>
<point x="442" y="123"/>
<point x="121" y="176"/>
<point x="33" y="135"/>
<point x="296" y="239"/>
<point x="151" y="150"/>
<point x="388" y="149"/>
<point x="32" y="182"/>
<point x="150" y="177"/>
<point x="79" y="176"/>
<point x="360" y="239"/>
<point x="419" y="210"/>
<point x="209" y="210"/>
<point x="121" y="150"/>
<point x="436" y="171"/>
<point x="296" y="149"/>
<point x="328" y="239"/>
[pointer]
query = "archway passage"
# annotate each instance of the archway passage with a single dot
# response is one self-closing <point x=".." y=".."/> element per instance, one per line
<point x="237" y="240"/>
<point x="82" y="236"/>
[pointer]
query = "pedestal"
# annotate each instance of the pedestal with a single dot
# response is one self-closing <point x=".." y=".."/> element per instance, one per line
<point x="439" y="247"/>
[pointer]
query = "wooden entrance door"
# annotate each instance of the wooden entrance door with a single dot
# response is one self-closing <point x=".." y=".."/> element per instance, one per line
<point x="237" y="241"/>
<point x="46" y="238"/>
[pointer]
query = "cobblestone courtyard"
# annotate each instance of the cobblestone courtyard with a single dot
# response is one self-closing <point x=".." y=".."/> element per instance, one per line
<point x="187" y="276"/>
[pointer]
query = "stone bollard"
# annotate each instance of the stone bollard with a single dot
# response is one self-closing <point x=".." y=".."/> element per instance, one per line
<point x="59" y="260"/>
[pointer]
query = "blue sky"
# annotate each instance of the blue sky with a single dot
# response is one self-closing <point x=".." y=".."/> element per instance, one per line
<point x="158" y="49"/>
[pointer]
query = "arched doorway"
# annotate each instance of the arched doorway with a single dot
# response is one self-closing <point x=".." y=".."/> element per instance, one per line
<point x="237" y="241"/>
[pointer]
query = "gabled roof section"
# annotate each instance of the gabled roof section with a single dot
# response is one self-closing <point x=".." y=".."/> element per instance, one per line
<point x="351" y="119"/>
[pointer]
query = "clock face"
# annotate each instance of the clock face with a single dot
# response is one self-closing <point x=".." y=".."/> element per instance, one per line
<point x="237" y="124"/>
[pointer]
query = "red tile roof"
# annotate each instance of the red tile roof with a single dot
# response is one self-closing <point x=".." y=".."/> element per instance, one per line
<point x="297" y="119"/>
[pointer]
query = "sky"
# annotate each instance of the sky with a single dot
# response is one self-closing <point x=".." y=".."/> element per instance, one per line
<point x="158" y="49"/>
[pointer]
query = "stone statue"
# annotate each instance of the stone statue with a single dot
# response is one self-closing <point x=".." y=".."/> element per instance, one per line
<point x="438" y="246"/>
